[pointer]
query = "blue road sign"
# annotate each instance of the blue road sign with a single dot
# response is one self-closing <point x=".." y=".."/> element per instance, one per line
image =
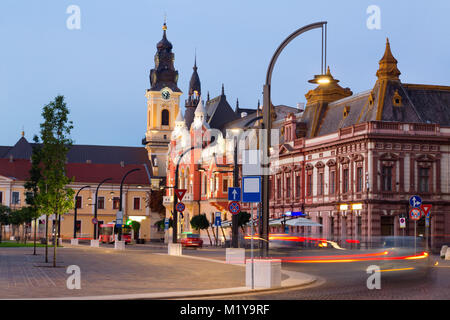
<point x="166" y="223"/>
<point x="251" y="189"/>
<point x="415" y="201"/>
<point x="234" y="194"/>
<point x="218" y="220"/>
<point x="294" y="214"/>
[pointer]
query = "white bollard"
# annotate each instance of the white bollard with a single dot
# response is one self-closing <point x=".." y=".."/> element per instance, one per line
<point x="74" y="242"/>
<point x="235" y="255"/>
<point x="443" y="251"/>
<point x="95" y="243"/>
<point x="447" y="254"/>
<point x="60" y="243"/>
<point x="266" y="273"/>
<point x="119" y="245"/>
<point x="174" y="249"/>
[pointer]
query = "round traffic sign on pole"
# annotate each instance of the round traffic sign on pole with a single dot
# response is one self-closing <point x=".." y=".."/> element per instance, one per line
<point x="415" y="214"/>
<point x="234" y="207"/>
<point x="180" y="207"/>
<point x="94" y="220"/>
<point x="415" y="201"/>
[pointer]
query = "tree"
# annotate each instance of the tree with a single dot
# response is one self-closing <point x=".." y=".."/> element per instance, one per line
<point x="4" y="218"/>
<point x="161" y="224"/>
<point x="243" y="219"/>
<point x="135" y="225"/>
<point x="54" y="196"/>
<point x="200" y="222"/>
<point x="154" y="201"/>
<point x="31" y="186"/>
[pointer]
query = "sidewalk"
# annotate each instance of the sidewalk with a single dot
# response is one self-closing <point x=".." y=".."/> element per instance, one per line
<point x="141" y="272"/>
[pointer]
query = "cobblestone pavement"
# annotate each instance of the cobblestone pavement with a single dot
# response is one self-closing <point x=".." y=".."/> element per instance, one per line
<point x="108" y="272"/>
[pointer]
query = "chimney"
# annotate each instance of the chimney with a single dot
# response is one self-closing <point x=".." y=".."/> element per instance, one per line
<point x="122" y="163"/>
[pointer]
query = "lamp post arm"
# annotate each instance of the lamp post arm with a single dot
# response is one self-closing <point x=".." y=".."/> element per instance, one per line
<point x="75" y="212"/>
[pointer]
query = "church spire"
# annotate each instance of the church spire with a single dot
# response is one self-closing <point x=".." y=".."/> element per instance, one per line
<point x="164" y="73"/>
<point x="388" y="65"/>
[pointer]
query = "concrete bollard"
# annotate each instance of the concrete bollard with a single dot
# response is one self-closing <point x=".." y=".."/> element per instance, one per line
<point x="119" y="245"/>
<point x="60" y="243"/>
<point x="235" y="255"/>
<point x="174" y="249"/>
<point x="447" y="254"/>
<point x="95" y="243"/>
<point x="443" y="251"/>
<point x="266" y="273"/>
<point x="74" y="242"/>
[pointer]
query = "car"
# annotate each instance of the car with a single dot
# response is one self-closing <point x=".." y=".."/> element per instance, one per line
<point x="191" y="240"/>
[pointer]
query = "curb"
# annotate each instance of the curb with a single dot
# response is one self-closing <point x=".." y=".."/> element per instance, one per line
<point x="295" y="280"/>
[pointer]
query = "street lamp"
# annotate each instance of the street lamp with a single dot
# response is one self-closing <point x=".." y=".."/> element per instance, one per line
<point x="95" y="208"/>
<point x="120" y="201"/>
<point x="75" y="213"/>
<point x="267" y="123"/>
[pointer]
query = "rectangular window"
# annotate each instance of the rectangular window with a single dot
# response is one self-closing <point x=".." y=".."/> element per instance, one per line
<point x="137" y="203"/>
<point x="204" y="185"/>
<point x="15" y="197"/>
<point x="297" y="186"/>
<point x="79" y="202"/>
<point x="424" y="177"/>
<point x="78" y="226"/>
<point x="116" y="203"/>
<point x="359" y="179"/>
<point x="346" y="180"/>
<point x="225" y="185"/>
<point x="1" y="197"/>
<point x="279" y="187"/>
<point x="288" y="187"/>
<point x="309" y="185"/>
<point x="101" y="203"/>
<point x="386" y="177"/>
<point x="320" y="184"/>
<point x="332" y="182"/>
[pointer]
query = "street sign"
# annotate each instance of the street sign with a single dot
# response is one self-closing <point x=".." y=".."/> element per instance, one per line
<point x="94" y="221"/>
<point x="402" y="222"/>
<point x="234" y="207"/>
<point x="218" y="219"/>
<point x="234" y="194"/>
<point x="427" y="222"/>
<point x="166" y="223"/>
<point x="180" y="193"/>
<point x="119" y="218"/>
<point x="426" y="209"/>
<point x="180" y="207"/>
<point x="294" y="214"/>
<point x="251" y="189"/>
<point x="415" y="201"/>
<point x="415" y="214"/>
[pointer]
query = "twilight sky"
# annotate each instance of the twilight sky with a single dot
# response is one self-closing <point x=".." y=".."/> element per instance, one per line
<point x="102" y="69"/>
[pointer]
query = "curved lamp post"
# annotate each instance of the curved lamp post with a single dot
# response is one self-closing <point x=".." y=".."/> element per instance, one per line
<point x="75" y="213"/>
<point x="95" y="207"/>
<point x="267" y="123"/>
<point x="120" y="201"/>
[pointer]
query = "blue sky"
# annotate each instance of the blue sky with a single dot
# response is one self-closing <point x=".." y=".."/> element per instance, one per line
<point x="102" y="69"/>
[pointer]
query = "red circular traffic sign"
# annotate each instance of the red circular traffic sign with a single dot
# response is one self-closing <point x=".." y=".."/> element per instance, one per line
<point x="415" y="213"/>
<point x="180" y="207"/>
<point x="234" y="207"/>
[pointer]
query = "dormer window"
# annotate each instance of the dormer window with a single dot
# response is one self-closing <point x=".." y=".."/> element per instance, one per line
<point x="346" y="111"/>
<point x="371" y="99"/>
<point x="397" y="99"/>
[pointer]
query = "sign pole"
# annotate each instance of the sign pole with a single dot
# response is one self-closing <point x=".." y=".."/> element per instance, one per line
<point x="251" y="250"/>
<point x="415" y="236"/>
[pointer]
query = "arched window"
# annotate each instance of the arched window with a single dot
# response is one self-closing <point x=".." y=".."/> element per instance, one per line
<point x="165" y="117"/>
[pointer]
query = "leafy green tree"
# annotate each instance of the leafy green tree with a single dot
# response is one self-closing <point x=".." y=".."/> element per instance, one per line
<point x="4" y="218"/>
<point x="200" y="222"/>
<point x="135" y="225"/>
<point x="54" y="196"/>
<point x="161" y="224"/>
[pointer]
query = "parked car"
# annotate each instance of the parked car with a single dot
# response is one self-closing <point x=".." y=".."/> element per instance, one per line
<point x="191" y="240"/>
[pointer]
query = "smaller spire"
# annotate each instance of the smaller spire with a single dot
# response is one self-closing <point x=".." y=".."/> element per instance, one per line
<point x="23" y="131"/>
<point x="237" y="105"/>
<point x="207" y="96"/>
<point x="388" y="65"/>
<point x="259" y="104"/>
<point x="200" y="108"/>
<point x="179" y="117"/>
<point x="165" y="25"/>
<point x="223" y="90"/>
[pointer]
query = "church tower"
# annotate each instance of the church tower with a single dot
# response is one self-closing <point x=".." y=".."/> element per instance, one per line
<point x="163" y="102"/>
<point x="195" y="92"/>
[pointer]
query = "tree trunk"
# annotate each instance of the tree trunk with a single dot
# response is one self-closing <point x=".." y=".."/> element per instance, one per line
<point x="215" y="235"/>
<point x="24" y="232"/>
<point x="55" y="242"/>
<point x="207" y="231"/>
<point x="35" y="223"/>
<point x="46" y="238"/>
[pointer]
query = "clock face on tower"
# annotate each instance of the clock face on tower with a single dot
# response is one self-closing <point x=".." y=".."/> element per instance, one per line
<point x="165" y="95"/>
